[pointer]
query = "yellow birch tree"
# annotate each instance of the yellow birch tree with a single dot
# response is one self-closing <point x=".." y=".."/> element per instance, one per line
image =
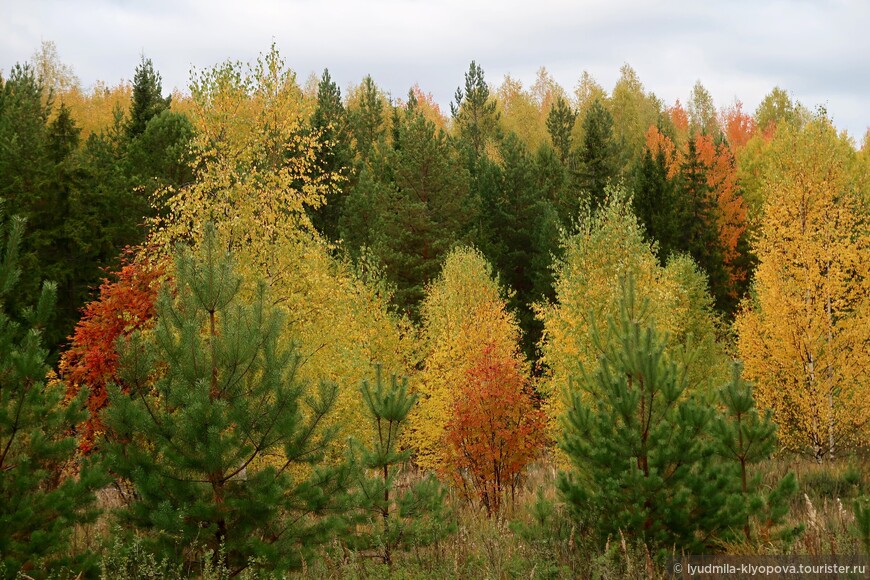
<point x="804" y="333"/>
<point x="253" y="159"/>
<point x="464" y="312"/>
<point x="607" y="249"/>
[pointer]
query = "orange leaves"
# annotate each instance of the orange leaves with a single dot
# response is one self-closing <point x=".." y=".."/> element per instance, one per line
<point x="720" y="169"/>
<point x="124" y="305"/>
<point x="495" y="430"/>
<point x="739" y="126"/>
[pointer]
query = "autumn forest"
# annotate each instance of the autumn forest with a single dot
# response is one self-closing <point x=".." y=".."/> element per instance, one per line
<point x="273" y="327"/>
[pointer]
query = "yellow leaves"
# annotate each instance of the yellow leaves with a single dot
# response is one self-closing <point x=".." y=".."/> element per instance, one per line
<point x="609" y="247"/>
<point x="804" y="334"/>
<point x="253" y="158"/>
<point x="463" y="312"/>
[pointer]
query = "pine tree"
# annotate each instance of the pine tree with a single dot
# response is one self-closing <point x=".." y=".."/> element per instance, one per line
<point x="40" y="502"/>
<point x="474" y="112"/>
<point x="397" y="517"/>
<point x="744" y="437"/>
<point x="216" y="425"/>
<point x="637" y="435"/>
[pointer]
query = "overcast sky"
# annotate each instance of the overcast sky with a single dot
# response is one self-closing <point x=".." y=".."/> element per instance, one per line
<point x="818" y="50"/>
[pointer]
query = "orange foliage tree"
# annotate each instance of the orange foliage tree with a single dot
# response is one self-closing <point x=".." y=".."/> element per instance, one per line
<point x="124" y="305"/>
<point x="721" y="175"/>
<point x="495" y="430"/>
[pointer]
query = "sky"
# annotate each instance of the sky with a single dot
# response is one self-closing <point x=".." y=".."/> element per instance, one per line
<point x="817" y="50"/>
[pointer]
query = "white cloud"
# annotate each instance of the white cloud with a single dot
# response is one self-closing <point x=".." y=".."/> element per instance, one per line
<point x="815" y="49"/>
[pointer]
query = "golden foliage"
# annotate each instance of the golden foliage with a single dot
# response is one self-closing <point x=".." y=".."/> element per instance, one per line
<point x="804" y="334"/>
<point x="253" y="158"/>
<point x="609" y="247"/>
<point x="463" y="312"/>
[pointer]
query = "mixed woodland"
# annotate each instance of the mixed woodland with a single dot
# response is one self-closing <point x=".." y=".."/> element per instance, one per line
<point x="269" y="327"/>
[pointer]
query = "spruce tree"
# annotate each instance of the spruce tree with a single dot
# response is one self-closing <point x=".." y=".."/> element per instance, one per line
<point x="560" y="126"/>
<point x="654" y="204"/>
<point x="599" y="160"/>
<point x="216" y="433"/>
<point x="148" y="100"/>
<point x="334" y="163"/>
<point x="697" y="215"/>
<point x="40" y="501"/>
<point x="396" y="517"/>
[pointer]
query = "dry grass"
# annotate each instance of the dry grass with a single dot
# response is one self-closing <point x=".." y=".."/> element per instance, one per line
<point x="535" y="538"/>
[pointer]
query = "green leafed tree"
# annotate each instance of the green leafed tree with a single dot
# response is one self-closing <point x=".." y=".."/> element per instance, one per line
<point x="40" y="501"/>
<point x="217" y="435"/>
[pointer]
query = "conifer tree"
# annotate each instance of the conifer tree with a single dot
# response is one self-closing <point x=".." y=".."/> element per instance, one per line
<point x="599" y="161"/>
<point x="474" y="112"/>
<point x="398" y="517"/>
<point x="148" y="100"/>
<point x="560" y="126"/>
<point x="744" y="437"/>
<point x="636" y="433"/>
<point x="40" y="503"/>
<point x="216" y="424"/>
<point x="330" y="124"/>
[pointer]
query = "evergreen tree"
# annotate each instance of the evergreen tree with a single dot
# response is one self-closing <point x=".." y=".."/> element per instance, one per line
<point x="515" y="220"/>
<point x="654" y="204"/>
<point x="217" y="426"/>
<point x="638" y="436"/>
<point x="148" y="100"/>
<point x="366" y="120"/>
<point x="158" y="161"/>
<point x="334" y="163"/>
<point x="743" y="437"/>
<point x="474" y="113"/>
<point x="697" y="218"/>
<point x="560" y="126"/>
<point x="397" y="517"/>
<point x="40" y="502"/>
<point x="599" y="160"/>
<point x="423" y="206"/>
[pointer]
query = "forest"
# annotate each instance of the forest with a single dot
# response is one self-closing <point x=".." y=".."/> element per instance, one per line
<point x="266" y="327"/>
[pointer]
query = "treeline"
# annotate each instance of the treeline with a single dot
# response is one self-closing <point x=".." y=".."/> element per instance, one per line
<point x="520" y="260"/>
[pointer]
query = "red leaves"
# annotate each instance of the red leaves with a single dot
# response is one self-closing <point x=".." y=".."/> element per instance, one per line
<point x="495" y="430"/>
<point x="125" y="304"/>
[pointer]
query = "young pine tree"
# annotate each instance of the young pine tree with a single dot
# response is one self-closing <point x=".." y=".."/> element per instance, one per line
<point x="743" y="437"/>
<point x="39" y="504"/>
<point x="398" y="517"/>
<point x="216" y="428"/>
<point x="643" y="463"/>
